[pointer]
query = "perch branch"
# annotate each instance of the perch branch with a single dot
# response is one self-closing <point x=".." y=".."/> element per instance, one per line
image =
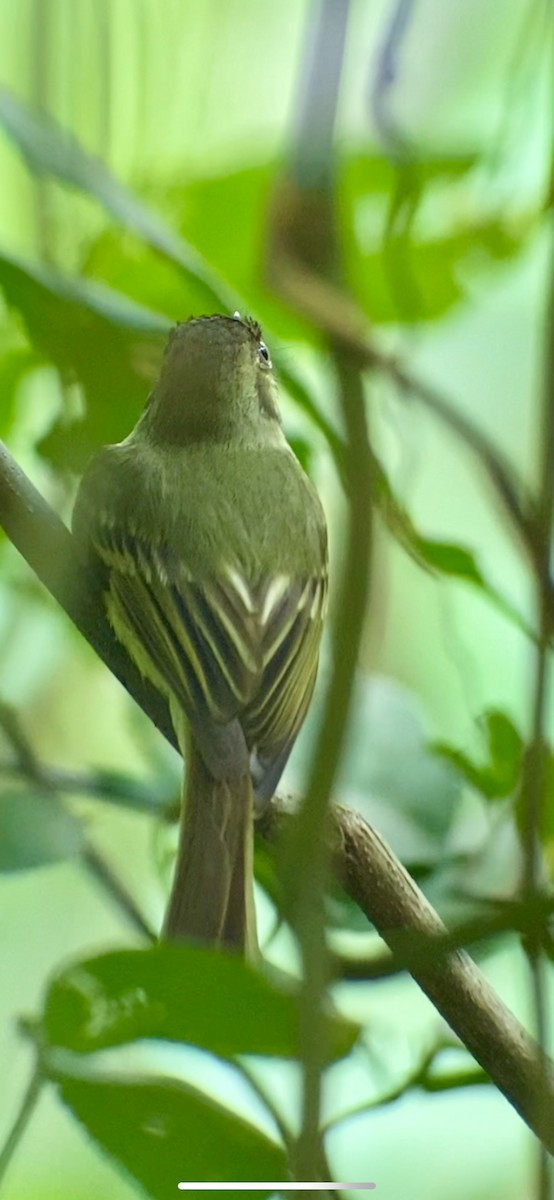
<point x="386" y="893"/>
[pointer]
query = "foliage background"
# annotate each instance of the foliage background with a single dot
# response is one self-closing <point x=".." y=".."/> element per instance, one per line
<point x="191" y="107"/>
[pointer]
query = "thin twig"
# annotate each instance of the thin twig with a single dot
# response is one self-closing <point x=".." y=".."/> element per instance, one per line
<point x="415" y="1079"/>
<point x="421" y="950"/>
<point x="21" y="1122"/>
<point x="260" y="1091"/>
<point x="31" y="768"/>
<point x="120" y="790"/>
<point x="415" y="1082"/>
<point x="116" y="890"/>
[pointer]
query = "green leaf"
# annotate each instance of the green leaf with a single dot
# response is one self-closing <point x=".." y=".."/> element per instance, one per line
<point x="446" y="558"/>
<point x="449" y="559"/>
<point x="395" y="269"/>
<point x="497" y="776"/>
<point x="547" y="824"/>
<point x="505" y="745"/>
<point x="374" y="174"/>
<point x="388" y="776"/>
<point x="133" y="269"/>
<point x="207" y="209"/>
<point x="36" y="830"/>
<point x="442" y="558"/>
<point x="163" y="1132"/>
<point x="15" y="365"/>
<point x="111" y="345"/>
<point x="51" y="150"/>
<point x="303" y="451"/>
<point x="180" y="993"/>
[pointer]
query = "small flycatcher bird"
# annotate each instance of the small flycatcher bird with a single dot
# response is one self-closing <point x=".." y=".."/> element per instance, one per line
<point x="211" y="548"/>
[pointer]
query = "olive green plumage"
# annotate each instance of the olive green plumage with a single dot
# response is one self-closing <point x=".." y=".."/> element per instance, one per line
<point x="212" y="544"/>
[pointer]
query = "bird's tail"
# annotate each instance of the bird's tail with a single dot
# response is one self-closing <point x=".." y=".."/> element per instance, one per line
<point x="212" y="896"/>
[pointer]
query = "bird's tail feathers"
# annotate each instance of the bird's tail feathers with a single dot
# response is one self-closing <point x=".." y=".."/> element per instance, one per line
<point x="212" y="896"/>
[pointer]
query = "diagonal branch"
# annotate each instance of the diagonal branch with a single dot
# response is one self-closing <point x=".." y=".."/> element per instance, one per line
<point x="370" y="872"/>
<point x="375" y="879"/>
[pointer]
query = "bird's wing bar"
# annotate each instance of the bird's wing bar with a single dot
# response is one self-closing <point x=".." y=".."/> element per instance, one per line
<point x="274" y="717"/>
<point x="195" y="641"/>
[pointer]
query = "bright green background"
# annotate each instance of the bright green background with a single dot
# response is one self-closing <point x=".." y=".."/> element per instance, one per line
<point x="191" y="106"/>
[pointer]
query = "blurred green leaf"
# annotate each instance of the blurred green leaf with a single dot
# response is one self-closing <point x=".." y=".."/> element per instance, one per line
<point x="389" y="774"/>
<point x="111" y="345"/>
<point x="369" y="172"/>
<point x="15" y="365"/>
<point x="207" y="210"/>
<point x="547" y="821"/>
<point x="303" y="451"/>
<point x="133" y="269"/>
<point x="497" y="776"/>
<point x="396" y="270"/>
<point x="235" y="244"/>
<point x="443" y="558"/>
<point x="36" y="830"/>
<point x="426" y="274"/>
<point x="226" y="217"/>
<point x="449" y="559"/>
<point x="181" y="993"/>
<point x="163" y="1131"/>
<point x="51" y="150"/>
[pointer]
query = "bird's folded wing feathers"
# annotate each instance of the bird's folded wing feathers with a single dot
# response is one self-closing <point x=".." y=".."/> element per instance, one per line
<point x="219" y="646"/>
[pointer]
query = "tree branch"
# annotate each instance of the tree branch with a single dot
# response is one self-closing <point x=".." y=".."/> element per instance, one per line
<point x="370" y="872"/>
<point x="377" y="881"/>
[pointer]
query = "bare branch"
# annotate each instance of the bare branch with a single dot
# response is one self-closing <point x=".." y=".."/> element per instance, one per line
<point x="386" y="893"/>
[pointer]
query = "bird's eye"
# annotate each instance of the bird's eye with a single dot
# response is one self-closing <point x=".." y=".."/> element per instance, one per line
<point x="264" y="359"/>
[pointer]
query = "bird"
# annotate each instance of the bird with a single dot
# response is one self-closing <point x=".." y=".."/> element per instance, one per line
<point x="208" y="543"/>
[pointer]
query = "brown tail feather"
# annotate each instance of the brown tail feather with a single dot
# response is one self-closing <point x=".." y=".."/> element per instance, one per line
<point x="212" y="896"/>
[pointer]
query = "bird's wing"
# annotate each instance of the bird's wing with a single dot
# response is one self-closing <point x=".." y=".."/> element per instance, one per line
<point x="195" y="640"/>
<point x="221" y="647"/>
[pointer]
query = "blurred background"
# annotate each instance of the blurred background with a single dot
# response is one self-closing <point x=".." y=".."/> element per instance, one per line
<point x="140" y="145"/>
